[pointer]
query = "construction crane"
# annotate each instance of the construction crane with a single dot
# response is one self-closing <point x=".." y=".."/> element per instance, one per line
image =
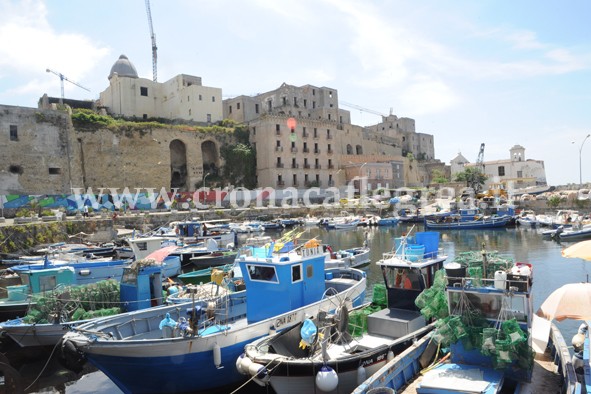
<point x="62" y="79"/>
<point x="154" y="47"/>
<point x="343" y="103"/>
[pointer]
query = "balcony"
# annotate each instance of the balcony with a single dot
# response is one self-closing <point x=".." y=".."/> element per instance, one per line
<point x="295" y="184"/>
<point x="280" y="183"/>
<point x="316" y="151"/>
<point x="318" y="166"/>
<point x="277" y="132"/>
<point x="278" y="149"/>
<point x="331" y="166"/>
<point x="329" y="136"/>
<point x="330" y="183"/>
<point x="330" y="151"/>
<point x="306" y="150"/>
<point x="294" y="150"/>
<point x="315" y="136"/>
<point x="307" y="166"/>
<point x="305" y="135"/>
<point x="293" y="165"/>
<point x="279" y="165"/>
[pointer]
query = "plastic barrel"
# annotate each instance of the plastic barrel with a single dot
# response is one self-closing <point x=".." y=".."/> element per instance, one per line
<point x="430" y="239"/>
<point x="414" y="252"/>
<point x="454" y="272"/>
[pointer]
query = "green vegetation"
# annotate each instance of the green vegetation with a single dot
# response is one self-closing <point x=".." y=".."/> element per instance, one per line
<point x="437" y="176"/>
<point x="473" y="177"/>
<point x="553" y="201"/>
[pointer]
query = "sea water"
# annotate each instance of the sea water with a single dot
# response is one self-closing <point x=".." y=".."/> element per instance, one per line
<point x="550" y="270"/>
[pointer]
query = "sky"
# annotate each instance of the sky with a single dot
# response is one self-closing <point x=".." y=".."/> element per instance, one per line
<point x="468" y="72"/>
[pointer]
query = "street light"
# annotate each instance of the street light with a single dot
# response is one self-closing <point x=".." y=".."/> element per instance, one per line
<point x="580" y="160"/>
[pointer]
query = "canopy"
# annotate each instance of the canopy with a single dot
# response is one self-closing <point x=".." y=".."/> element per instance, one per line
<point x="160" y="254"/>
<point x="571" y="301"/>
<point x="580" y="250"/>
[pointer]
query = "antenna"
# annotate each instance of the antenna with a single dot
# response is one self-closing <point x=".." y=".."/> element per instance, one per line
<point x="62" y="78"/>
<point x="154" y="47"/>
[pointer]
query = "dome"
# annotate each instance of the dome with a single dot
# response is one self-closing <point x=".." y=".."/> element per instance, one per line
<point x="124" y="68"/>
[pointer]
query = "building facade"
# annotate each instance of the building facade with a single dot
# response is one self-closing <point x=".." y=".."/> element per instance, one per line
<point x="182" y="97"/>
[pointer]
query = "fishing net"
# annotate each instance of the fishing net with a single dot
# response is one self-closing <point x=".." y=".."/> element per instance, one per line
<point x="70" y="303"/>
<point x="357" y="323"/>
<point x="379" y="296"/>
<point x="432" y="302"/>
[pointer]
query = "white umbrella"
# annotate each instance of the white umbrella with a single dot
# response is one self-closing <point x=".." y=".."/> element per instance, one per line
<point x="571" y="301"/>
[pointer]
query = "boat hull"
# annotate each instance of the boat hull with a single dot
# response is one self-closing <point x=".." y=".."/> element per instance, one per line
<point x="183" y="364"/>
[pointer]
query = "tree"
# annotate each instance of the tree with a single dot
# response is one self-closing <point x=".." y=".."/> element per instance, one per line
<point x="437" y="176"/>
<point x="553" y="201"/>
<point x="473" y="177"/>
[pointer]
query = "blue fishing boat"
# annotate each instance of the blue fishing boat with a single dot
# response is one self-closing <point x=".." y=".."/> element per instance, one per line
<point x="45" y="276"/>
<point x="472" y="222"/>
<point x="73" y="305"/>
<point x="194" y="346"/>
<point x="346" y="345"/>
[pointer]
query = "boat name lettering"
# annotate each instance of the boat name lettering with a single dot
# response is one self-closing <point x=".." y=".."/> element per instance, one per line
<point x="286" y="319"/>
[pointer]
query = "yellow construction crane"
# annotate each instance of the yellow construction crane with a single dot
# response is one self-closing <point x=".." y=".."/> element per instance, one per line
<point x="62" y="79"/>
<point x="345" y="104"/>
<point x="154" y="47"/>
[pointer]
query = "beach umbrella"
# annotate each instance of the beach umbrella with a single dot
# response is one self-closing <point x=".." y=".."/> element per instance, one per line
<point x="580" y="250"/>
<point x="571" y="301"/>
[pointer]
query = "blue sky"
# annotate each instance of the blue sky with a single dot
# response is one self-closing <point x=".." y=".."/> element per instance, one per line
<point x="499" y="72"/>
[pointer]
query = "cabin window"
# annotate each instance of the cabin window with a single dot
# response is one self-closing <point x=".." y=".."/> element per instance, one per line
<point x="129" y="276"/>
<point x="296" y="272"/>
<point x="402" y="278"/>
<point x="47" y="283"/>
<point x="142" y="245"/>
<point x="309" y="271"/>
<point x="262" y="273"/>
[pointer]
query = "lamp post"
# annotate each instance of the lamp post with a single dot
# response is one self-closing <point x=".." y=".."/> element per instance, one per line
<point x="581" y="161"/>
<point x="203" y="186"/>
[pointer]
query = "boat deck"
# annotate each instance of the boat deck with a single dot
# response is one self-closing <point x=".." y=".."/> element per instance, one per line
<point x="545" y="379"/>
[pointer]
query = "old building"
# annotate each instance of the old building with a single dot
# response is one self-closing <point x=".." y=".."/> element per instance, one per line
<point x="304" y="139"/>
<point x="516" y="171"/>
<point x="182" y="97"/>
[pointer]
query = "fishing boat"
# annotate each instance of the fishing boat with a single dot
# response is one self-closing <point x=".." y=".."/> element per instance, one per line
<point x="214" y="259"/>
<point x="572" y="234"/>
<point x="493" y="335"/>
<point x="203" y="275"/>
<point x="53" y="313"/>
<point x="388" y="221"/>
<point x="347" y="258"/>
<point x="45" y="276"/>
<point x="451" y="223"/>
<point x="336" y="350"/>
<point x="154" y="350"/>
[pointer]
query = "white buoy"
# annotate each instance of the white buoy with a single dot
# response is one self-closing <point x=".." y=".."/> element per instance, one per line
<point x="217" y="355"/>
<point x="242" y="364"/>
<point x="258" y="371"/>
<point x="361" y="375"/>
<point x="390" y="355"/>
<point x="327" y="379"/>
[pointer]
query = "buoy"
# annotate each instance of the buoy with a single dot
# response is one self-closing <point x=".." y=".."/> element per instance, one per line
<point x="327" y="379"/>
<point x="361" y="375"/>
<point x="258" y="371"/>
<point x="217" y="355"/>
<point x="239" y="362"/>
<point x="390" y="355"/>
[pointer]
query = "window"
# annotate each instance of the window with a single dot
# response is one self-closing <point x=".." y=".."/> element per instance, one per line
<point x="145" y="116"/>
<point x="262" y="273"/>
<point x="296" y="270"/>
<point x="295" y="101"/>
<point x="230" y="109"/>
<point x="284" y="100"/>
<point x="144" y="91"/>
<point x="309" y="271"/>
<point x="270" y="105"/>
<point x="188" y="98"/>
<point x="254" y="131"/>
<point x="213" y="99"/>
<point x="256" y="108"/>
<point x="519" y="174"/>
<point x="54" y="171"/>
<point x="200" y="98"/>
<point x="305" y="103"/>
<point x="15" y="169"/>
<point x="13" y="132"/>
<point x="277" y="127"/>
<point x="237" y="105"/>
<point x="292" y="144"/>
<point x="189" y="111"/>
<point x="315" y="132"/>
<point x="208" y="118"/>
<point x="278" y="143"/>
<point x="501" y="170"/>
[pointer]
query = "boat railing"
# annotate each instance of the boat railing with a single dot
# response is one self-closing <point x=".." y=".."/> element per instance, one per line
<point x="512" y="285"/>
<point x="415" y="258"/>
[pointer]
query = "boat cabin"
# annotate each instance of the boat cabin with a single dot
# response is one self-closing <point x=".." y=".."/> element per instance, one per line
<point x="141" y="287"/>
<point x="283" y="281"/>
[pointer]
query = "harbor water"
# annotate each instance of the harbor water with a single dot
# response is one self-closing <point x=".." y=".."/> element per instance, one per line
<point x="550" y="271"/>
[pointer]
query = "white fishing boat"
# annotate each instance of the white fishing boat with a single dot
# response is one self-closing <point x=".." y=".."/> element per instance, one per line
<point x="156" y="350"/>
